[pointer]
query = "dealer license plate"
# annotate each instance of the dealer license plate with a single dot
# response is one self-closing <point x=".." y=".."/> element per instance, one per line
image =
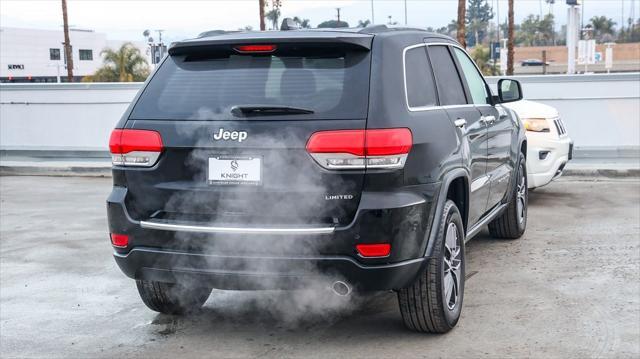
<point x="235" y="170"/>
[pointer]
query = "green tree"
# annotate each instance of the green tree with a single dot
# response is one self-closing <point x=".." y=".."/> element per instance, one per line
<point x="303" y="23"/>
<point x="333" y="24"/>
<point x="477" y="18"/>
<point x="124" y="65"/>
<point x="548" y="29"/>
<point x="631" y="33"/>
<point x="449" y="30"/>
<point x="602" y="26"/>
<point x="535" y="31"/>
<point x="364" y="23"/>
<point x="481" y="56"/>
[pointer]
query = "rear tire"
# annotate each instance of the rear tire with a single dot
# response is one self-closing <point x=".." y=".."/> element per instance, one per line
<point x="172" y="298"/>
<point x="513" y="222"/>
<point x="434" y="302"/>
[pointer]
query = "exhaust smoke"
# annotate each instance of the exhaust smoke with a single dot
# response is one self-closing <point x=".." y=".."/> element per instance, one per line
<point x="302" y="198"/>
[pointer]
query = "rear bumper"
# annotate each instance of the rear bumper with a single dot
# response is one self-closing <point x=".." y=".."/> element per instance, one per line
<point x="249" y="273"/>
<point x="235" y="258"/>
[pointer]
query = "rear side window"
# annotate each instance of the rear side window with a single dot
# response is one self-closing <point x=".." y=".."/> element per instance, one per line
<point x="197" y="87"/>
<point x="421" y="90"/>
<point x="450" y="88"/>
<point x="474" y="79"/>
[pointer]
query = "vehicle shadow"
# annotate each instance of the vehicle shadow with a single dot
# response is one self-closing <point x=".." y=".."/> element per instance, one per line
<point x="298" y="316"/>
<point x="543" y="195"/>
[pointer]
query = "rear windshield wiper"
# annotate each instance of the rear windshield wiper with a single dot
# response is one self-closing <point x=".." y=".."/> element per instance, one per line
<point x="266" y="110"/>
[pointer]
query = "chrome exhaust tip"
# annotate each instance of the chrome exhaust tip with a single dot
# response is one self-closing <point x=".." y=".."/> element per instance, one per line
<point x="341" y="288"/>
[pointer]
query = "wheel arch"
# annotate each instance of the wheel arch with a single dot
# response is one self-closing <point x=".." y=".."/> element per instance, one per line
<point x="454" y="183"/>
<point x="458" y="192"/>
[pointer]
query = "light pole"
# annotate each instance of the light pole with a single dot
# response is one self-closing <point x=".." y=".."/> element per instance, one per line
<point x="405" y="12"/>
<point x="573" y="14"/>
<point x="373" y="21"/>
<point x="160" y="36"/>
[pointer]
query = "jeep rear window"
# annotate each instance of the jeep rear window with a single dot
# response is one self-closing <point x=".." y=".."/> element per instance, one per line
<point x="197" y="87"/>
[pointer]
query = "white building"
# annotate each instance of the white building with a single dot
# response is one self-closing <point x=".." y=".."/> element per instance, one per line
<point x="31" y="55"/>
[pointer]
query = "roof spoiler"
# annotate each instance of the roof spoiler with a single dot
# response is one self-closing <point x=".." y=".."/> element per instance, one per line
<point x="348" y="40"/>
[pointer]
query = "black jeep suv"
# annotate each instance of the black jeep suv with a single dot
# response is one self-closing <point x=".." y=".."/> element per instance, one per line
<point x="359" y="158"/>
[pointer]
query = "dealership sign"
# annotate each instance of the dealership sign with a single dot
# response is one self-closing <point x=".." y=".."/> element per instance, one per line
<point x="16" y="67"/>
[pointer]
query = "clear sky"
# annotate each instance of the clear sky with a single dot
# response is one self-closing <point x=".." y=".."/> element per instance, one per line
<point x="127" y="19"/>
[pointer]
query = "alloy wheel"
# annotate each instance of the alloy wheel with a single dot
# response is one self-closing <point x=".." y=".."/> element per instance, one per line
<point x="521" y="197"/>
<point x="452" y="266"/>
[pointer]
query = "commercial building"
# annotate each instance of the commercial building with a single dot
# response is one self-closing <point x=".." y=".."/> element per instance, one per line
<point x="32" y="55"/>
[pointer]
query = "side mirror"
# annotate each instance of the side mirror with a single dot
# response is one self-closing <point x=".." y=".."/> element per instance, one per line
<point x="509" y="90"/>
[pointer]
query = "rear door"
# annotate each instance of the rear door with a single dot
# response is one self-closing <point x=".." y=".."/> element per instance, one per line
<point x="453" y="97"/>
<point x="234" y="125"/>
<point x="499" y="129"/>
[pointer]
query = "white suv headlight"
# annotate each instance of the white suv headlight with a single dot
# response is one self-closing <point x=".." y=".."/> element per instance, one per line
<point x="536" y="124"/>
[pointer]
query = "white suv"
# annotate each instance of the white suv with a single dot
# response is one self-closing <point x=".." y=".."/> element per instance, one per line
<point x="549" y="146"/>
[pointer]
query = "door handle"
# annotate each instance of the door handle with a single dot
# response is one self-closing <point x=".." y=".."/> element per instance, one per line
<point x="461" y="122"/>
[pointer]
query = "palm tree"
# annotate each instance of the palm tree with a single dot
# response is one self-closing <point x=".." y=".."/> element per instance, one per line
<point x="462" y="8"/>
<point x="124" y="65"/>
<point x="67" y="45"/>
<point x="364" y="23"/>
<point x="510" y="36"/>
<point x="303" y="23"/>
<point x="602" y="25"/>
<point x="273" y="16"/>
<point x="261" y="4"/>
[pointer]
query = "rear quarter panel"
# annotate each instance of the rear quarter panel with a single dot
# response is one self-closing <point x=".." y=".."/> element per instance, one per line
<point x="436" y="146"/>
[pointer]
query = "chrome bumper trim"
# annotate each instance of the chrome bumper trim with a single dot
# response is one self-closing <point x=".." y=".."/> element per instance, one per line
<point x="234" y="230"/>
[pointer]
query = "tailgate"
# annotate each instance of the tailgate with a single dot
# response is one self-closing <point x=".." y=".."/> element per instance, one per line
<point x="250" y="167"/>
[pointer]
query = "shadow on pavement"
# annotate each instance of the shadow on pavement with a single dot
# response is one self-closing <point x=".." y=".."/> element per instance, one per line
<point x="263" y="315"/>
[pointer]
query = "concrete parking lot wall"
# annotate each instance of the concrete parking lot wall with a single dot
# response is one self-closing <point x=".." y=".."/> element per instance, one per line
<point x="621" y="52"/>
<point x="69" y="117"/>
<point x="601" y="112"/>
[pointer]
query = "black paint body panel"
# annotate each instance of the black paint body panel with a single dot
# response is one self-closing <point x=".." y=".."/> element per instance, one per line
<point x="388" y="206"/>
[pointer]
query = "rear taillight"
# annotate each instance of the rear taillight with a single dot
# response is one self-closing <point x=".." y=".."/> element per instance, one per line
<point x="374" y="250"/>
<point x="135" y="147"/>
<point x="357" y="149"/>
<point x="119" y="240"/>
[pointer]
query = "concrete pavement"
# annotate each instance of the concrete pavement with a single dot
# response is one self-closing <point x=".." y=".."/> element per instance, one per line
<point x="570" y="288"/>
<point x="101" y="167"/>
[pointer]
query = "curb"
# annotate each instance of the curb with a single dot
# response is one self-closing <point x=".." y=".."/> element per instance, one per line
<point x="602" y="172"/>
<point x="69" y="171"/>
